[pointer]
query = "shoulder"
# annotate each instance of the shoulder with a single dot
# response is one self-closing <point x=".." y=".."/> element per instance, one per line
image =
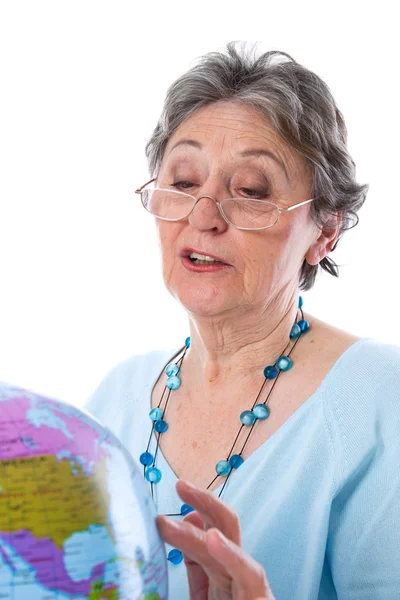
<point x="363" y="401"/>
<point x="369" y="364"/>
<point x="350" y="360"/>
<point x="126" y="381"/>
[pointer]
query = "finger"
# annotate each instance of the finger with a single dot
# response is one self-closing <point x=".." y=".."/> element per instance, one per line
<point x="192" y="542"/>
<point x="247" y="574"/>
<point x="198" y="582"/>
<point x="194" y="519"/>
<point x="212" y="510"/>
<point x="196" y="575"/>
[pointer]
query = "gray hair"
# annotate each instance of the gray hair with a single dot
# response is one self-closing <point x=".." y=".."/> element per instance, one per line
<point x="301" y="109"/>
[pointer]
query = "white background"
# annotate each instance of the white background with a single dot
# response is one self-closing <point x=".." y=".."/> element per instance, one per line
<point x="82" y="85"/>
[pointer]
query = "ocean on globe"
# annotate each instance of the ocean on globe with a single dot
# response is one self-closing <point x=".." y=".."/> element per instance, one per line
<point x="76" y="520"/>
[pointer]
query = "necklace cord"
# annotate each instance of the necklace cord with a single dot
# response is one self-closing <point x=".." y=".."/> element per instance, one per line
<point x="233" y="461"/>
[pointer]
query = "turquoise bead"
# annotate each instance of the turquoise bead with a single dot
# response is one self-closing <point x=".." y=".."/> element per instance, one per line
<point x="223" y="467"/>
<point x="270" y="372"/>
<point x="152" y="474"/>
<point x="300" y="301"/>
<point x="247" y="417"/>
<point x="172" y="369"/>
<point x="284" y="363"/>
<point x="295" y="332"/>
<point x="155" y="414"/>
<point x="186" y="509"/>
<point x="175" y="556"/>
<point x="173" y="382"/>
<point x="261" y="411"/>
<point x="187" y="342"/>
<point x="304" y="325"/>
<point x="235" y="461"/>
<point x="160" y="426"/>
<point x="146" y="459"/>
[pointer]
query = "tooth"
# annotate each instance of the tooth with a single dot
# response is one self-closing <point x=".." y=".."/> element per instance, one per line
<point x="202" y="257"/>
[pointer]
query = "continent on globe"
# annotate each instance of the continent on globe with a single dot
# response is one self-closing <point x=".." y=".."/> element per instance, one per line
<point x="76" y="520"/>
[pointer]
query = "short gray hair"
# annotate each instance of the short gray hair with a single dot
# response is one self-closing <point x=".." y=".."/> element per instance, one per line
<point x="301" y="109"/>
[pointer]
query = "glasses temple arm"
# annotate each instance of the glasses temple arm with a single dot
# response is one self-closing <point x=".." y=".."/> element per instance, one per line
<point x="287" y="208"/>
<point x="144" y="185"/>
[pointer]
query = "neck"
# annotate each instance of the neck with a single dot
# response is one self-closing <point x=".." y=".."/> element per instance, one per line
<point x="235" y="350"/>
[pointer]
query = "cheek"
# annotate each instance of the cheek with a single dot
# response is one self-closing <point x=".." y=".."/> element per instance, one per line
<point x="268" y="259"/>
<point x="264" y="249"/>
<point x="168" y="235"/>
<point x="292" y="235"/>
<point x="164" y="235"/>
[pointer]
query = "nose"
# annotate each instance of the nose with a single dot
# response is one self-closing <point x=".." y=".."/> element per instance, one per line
<point x="206" y="215"/>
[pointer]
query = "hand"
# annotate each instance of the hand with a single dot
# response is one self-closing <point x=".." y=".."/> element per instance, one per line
<point x="210" y="540"/>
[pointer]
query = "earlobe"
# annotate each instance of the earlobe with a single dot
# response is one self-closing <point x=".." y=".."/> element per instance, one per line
<point x="325" y="243"/>
<point x="312" y="257"/>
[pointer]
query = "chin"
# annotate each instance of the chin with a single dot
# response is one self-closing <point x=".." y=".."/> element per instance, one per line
<point x="202" y="301"/>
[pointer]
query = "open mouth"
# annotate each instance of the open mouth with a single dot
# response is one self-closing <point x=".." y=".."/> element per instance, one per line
<point x="200" y="259"/>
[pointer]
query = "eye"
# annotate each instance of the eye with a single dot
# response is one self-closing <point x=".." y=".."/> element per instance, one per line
<point x="253" y="193"/>
<point x="182" y="184"/>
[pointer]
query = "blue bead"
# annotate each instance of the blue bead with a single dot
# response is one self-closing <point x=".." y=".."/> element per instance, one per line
<point x="284" y="363"/>
<point x="304" y="325"/>
<point x="295" y="332"/>
<point x="153" y="474"/>
<point x="261" y="411"/>
<point x="160" y="426"/>
<point x="223" y="467"/>
<point x="186" y="509"/>
<point x="187" y="342"/>
<point x="146" y="459"/>
<point x="247" y="417"/>
<point x="175" y="556"/>
<point x="173" y="382"/>
<point x="155" y="414"/>
<point x="172" y="369"/>
<point x="270" y="372"/>
<point x="235" y="461"/>
<point x="300" y="301"/>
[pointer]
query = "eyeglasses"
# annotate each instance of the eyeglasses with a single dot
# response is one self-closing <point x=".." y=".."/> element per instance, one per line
<point x="242" y="213"/>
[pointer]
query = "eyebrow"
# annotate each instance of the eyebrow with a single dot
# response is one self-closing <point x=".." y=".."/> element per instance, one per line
<point x="254" y="152"/>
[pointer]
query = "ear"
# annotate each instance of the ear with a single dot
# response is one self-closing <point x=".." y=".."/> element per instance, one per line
<point x="326" y="241"/>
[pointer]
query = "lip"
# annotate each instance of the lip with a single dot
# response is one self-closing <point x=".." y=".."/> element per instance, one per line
<point x="211" y="268"/>
<point x="187" y="251"/>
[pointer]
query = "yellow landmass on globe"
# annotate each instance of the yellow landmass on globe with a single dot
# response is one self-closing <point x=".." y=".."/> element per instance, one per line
<point x="98" y="593"/>
<point x="44" y="495"/>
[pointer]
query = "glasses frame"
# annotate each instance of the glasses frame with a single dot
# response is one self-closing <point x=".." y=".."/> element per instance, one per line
<point x="218" y="203"/>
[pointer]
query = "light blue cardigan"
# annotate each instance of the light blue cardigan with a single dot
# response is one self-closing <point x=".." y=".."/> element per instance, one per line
<point x="319" y="501"/>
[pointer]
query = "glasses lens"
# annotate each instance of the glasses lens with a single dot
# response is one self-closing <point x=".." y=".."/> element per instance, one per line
<point x="167" y="204"/>
<point x="251" y="214"/>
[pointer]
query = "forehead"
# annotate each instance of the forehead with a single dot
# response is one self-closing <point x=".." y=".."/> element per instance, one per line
<point x="226" y="129"/>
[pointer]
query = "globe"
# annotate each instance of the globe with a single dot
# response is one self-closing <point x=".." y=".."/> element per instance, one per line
<point x="76" y="520"/>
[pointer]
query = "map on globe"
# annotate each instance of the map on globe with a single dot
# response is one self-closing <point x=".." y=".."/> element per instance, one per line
<point x="76" y="520"/>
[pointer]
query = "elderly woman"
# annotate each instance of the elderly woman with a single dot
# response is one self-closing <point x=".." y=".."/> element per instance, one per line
<point x="291" y="424"/>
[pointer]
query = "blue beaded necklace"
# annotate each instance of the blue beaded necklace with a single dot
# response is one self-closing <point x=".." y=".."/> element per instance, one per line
<point x="248" y="418"/>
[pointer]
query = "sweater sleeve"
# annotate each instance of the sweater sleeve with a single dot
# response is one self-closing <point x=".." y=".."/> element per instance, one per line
<point x="114" y="391"/>
<point x="121" y="391"/>
<point x="363" y="547"/>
